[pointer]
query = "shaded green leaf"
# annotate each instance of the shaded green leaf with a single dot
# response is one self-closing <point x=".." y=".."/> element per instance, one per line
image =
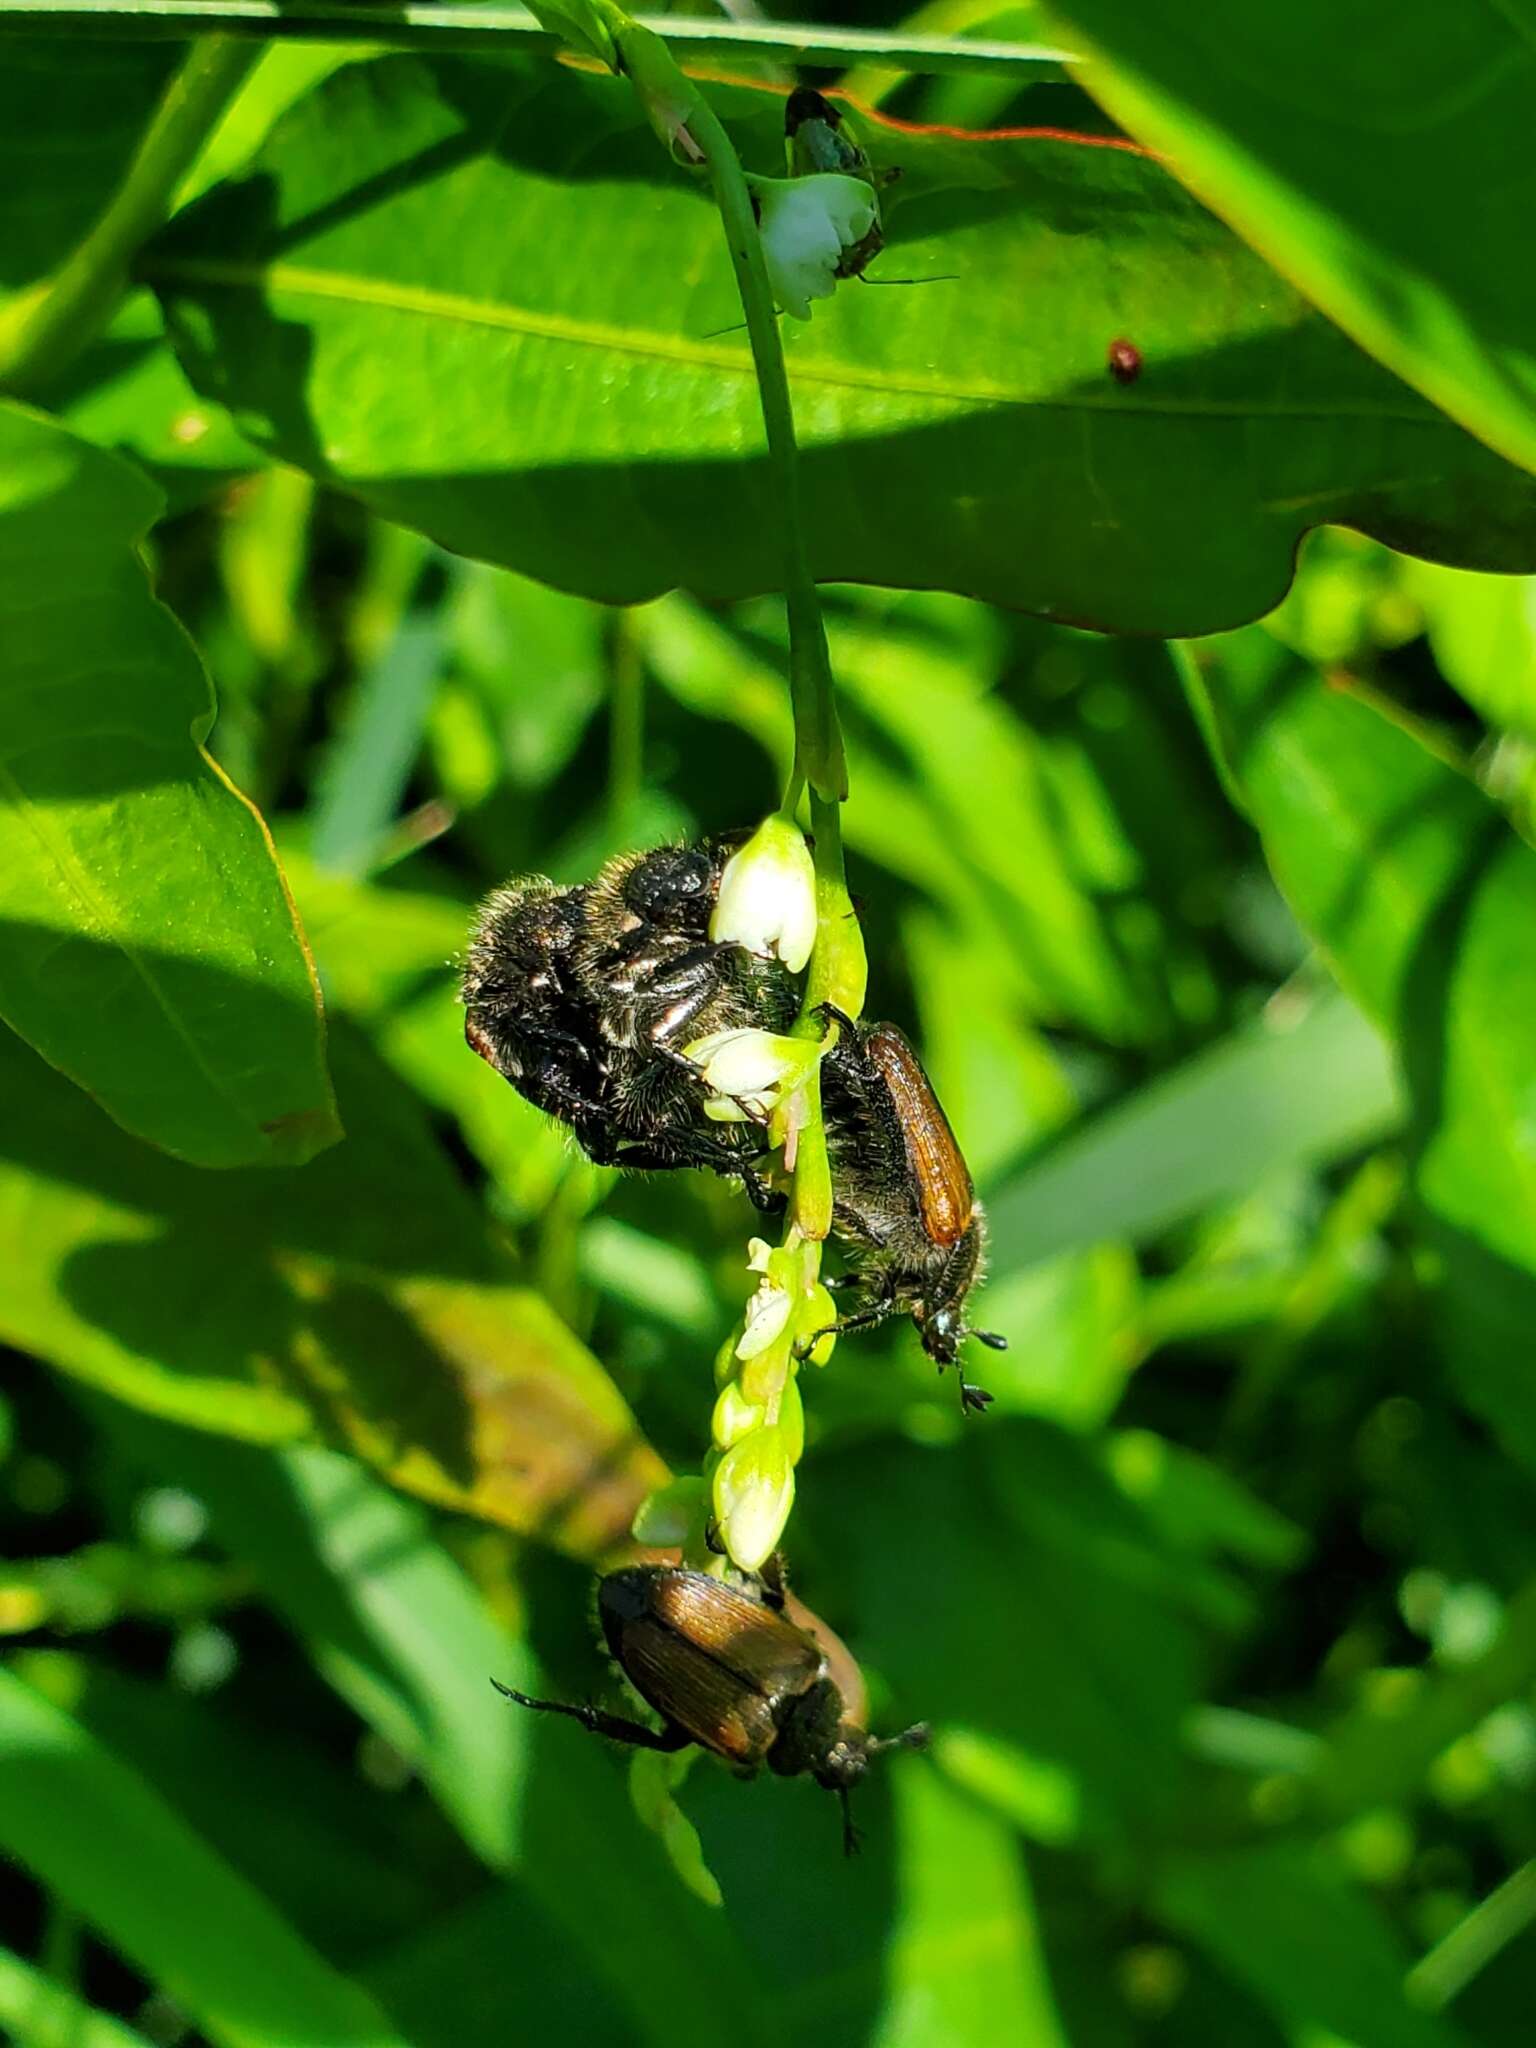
<point x="94" y="1832"/>
<point x="1423" y="900"/>
<point x="544" y="385"/>
<point x="1483" y="632"/>
<point x="71" y="115"/>
<point x="1314" y="1951"/>
<point x="1073" y="1646"/>
<point x="340" y="1860"/>
<point x="1355" y="145"/>
<point x="139" y="890"/>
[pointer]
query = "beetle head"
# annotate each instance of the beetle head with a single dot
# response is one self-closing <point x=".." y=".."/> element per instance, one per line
<point x="673" y="887"/>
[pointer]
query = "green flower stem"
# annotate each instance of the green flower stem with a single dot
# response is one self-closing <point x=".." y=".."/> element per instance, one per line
<point x="759" y="1425"/>
<point x="45" y="328"/>
<point x="691" y="128"/>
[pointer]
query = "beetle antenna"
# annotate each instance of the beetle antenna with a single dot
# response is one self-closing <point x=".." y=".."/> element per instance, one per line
<point x="918" y="1736"/>
<point x="942" y="277"/>
<point x="740" y="327"/>
<point x="993" y="1339"/>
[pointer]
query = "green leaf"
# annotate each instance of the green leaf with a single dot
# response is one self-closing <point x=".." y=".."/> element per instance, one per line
<point x="1073" y="1650"/>
<point x="963" y="1966"/>
<point x="502" y="28"/>
<point x="128" y="393"/>
<point x="1481" y="631"/>
<point x="71" y="115"/>
<point x="150" y="949"/>
<point x="358" y="1301"/>
<point x="1314" y="1951"/>
<point x="391" y="1622"/>
<point x="334" y="1853"/>
<point x="1357" y="148"/>
<point x="1311" y="1082"/>
<point x="358" y="794"/>
<point x="399" y="1630"/>
<point x="1423" y="900"/>
<point x="544" y="384"/>
<point x="42" y="2014"/>
<point x="93" y="1832"/>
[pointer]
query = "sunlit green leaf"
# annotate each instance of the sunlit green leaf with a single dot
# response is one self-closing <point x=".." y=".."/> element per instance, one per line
<point x="1313" y="1081"/>
<point x="137" y="884"/>
<point x="358" y="1300"/>
<point x="546" y="385"/>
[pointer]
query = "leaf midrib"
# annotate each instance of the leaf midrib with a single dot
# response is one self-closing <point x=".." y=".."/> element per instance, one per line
<point x="428" y="302"/>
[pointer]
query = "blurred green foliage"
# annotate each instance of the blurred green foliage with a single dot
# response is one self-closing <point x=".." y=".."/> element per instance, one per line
<point x="1221" y="955"/>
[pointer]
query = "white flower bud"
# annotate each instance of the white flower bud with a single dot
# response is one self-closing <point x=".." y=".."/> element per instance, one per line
<point x="806" y="225"/>
<point x="734" y="1417"/>
<point x="767" y="899"/>
<point x="754" y="1489"/>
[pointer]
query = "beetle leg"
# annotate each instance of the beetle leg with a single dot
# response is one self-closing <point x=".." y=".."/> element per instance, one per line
<point x="851" y="1835"/>
<point x="772" y="1578"/>
<point x="633" y="1733"/>
<point x="861" y="1319"/>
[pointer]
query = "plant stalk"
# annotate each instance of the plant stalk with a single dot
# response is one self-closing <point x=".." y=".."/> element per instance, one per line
<point x="434" y="26"/>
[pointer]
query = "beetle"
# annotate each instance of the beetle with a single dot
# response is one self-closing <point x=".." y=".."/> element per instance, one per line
<point x="726" y="1668"/>
<point x="581" y="997"/>
<point x="903" y="1198"/>
<point x="817" y="139"/>
<point x="1124" y="361"/>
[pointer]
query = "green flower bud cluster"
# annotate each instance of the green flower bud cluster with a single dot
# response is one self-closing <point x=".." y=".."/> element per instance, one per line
<point x="758" y="1427"/>
<point x="774" y="902"/>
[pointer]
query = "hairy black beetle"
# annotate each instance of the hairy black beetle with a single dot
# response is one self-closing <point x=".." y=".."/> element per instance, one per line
<point x="582" y="996"/>
<point x="724" y="1667"/>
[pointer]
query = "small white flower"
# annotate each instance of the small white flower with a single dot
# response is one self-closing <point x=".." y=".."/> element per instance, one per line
<point x="767" y="1313"/>
<point x="806" y="225"/>
<point x="747" y="1072"/>
<point x="767" y="899"/>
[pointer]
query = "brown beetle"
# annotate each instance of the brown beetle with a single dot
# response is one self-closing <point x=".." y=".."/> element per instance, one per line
<point x="724" y="1667"/>
<point x="902" y="1195"/>
<point x="1124" y="360"/>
